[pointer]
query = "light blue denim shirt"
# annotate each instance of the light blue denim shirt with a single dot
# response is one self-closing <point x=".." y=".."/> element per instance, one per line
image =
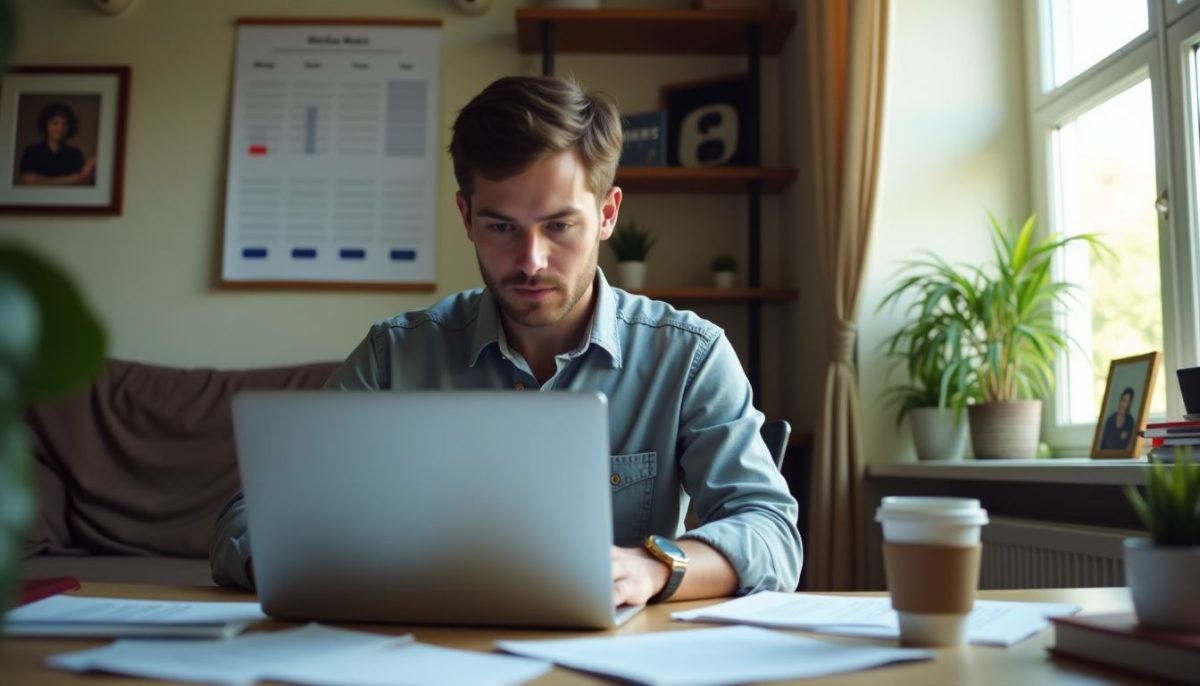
<point x="681" y="421"/>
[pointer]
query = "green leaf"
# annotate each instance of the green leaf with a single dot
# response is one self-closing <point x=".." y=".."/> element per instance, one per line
<point x="71" y="341"/>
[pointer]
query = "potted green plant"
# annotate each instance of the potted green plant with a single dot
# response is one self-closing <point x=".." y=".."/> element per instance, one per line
<point x="1162" y="570"/>
<point x="724" y="270"/>
<point x="1000" y="317"/>
<point x="49" y="344"/>
<point x="631" y="243"/>
<point x="928" y="349"/>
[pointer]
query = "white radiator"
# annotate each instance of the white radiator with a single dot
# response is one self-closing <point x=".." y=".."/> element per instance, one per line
<point x="1020" y="553"/>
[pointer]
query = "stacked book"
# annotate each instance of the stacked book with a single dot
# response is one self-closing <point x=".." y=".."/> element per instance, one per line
<point x="1116" y="640"/>
<point x="1165" y="437"/>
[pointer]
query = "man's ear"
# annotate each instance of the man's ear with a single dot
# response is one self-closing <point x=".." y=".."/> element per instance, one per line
<point x="608" y="212"/>
<point x="464" y="211"/>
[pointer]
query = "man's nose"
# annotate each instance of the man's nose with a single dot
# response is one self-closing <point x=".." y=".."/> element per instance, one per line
<point x="535" y="250"/>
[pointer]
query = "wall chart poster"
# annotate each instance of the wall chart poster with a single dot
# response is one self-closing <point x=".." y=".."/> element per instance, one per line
<point x="333" y="155"/>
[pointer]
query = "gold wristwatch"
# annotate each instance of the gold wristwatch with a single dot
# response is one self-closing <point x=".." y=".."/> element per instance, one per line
<point x="665" y="550"/>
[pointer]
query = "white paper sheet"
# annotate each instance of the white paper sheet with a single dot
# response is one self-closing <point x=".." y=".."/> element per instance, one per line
<point x="710" y="657"/>
<point x="992" y="622"/>
<point x="235" y="662"/>
<point x="77" y="616"/>
<point x="309" y="655"/>
<point x="415" y="664"/>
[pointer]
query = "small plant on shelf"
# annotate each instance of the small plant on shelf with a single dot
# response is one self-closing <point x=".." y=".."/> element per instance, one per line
<point x="724" y="263"/>
<point x="724" y="270"/>
<point x="630" y="242"/>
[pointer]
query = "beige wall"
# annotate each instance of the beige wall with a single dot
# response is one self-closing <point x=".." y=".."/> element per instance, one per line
<point x="956" y="144"/>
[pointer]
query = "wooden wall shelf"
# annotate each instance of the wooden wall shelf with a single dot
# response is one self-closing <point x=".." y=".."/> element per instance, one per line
<point x="718" y="295"/>
<point x="703" y="179"/>
<point x="659" y="32"/>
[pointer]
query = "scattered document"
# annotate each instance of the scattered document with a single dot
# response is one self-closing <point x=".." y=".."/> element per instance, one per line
<point x="117" y="617"/>
<point x="416" y="664"/>
<point x="992" y="622"/>
<point x="312" y="654"/>
<point x="710" y="657"/>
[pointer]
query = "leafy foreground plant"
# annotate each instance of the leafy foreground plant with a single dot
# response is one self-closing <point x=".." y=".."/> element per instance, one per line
<point x="1170" y="510"/>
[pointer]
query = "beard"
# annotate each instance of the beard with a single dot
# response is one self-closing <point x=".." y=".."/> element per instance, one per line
<point x="549" y="310"/>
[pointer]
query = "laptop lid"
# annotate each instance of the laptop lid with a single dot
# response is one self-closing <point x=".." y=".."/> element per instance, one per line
<point x="447" y="507"/>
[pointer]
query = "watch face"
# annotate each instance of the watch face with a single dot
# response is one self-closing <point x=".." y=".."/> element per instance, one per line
<point x="668" y="546"/>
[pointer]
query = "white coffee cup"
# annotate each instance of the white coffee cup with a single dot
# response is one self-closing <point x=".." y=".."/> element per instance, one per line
<point x="938" y="531"/>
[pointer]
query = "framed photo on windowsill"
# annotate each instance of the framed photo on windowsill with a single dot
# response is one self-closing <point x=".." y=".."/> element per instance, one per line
<point x="1125" y="406"/>
<point x="64" y="140"/>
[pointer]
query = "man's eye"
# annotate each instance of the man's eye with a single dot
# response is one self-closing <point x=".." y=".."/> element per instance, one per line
<point x="501" y="227"/>
<point x="559" y="226"/>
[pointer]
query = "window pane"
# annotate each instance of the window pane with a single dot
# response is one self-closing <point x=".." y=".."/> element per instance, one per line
<point x="1106" y="185"/>
<point x="1083" y="32"/>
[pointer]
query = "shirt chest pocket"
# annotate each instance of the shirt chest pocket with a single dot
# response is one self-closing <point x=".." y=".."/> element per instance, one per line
<point x="632" y="480"/>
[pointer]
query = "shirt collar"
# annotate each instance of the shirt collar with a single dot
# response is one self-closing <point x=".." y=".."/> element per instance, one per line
<point x="602" y="330"/>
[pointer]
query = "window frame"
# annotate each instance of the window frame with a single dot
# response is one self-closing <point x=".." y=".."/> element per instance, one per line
<point x="1050" y="107"/>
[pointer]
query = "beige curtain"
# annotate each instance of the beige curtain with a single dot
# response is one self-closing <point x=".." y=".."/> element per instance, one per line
<point x="847" y="48"/>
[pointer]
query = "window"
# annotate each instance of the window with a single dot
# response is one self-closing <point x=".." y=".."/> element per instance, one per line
<point x="1102" y="143"/>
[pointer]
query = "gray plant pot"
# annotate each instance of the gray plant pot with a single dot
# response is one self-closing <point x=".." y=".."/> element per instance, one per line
<point x="1006" y="430"/>
<point x="1163" y="582"/>
<point x="937" y="434"/>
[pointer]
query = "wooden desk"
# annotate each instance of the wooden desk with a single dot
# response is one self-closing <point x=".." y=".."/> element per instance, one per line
<point x="1026" y="664"/>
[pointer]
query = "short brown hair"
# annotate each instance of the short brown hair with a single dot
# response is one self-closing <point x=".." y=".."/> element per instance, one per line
<point x="519" y="120"/>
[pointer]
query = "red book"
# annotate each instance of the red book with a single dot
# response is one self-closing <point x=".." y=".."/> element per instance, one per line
<point x="1116" y="640"/>
<point x="36" y="589"/>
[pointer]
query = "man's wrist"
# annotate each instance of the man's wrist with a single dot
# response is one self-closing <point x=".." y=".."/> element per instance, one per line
<point x="673" y="558"/>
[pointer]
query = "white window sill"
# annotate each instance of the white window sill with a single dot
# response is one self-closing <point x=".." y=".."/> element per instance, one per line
<point x="1069" y="470"/>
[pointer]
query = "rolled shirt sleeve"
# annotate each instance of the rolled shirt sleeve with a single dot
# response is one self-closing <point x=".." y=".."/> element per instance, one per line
<point x="229" y="551"/>
<point x="741" y="500"/>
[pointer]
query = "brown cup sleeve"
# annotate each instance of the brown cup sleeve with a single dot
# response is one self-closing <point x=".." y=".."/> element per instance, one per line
<point x="932" y="578"/>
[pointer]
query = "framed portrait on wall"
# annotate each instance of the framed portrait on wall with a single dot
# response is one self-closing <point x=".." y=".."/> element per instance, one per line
<point x="708" y="122"/>
<point x="1125" y="405"/>
<point x="62" y="140"/>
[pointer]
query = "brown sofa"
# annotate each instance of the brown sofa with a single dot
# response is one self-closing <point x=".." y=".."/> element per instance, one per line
<point x="132" y="471"/>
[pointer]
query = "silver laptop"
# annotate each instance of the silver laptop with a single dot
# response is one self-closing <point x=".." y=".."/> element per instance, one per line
<point x="444" y="507"/>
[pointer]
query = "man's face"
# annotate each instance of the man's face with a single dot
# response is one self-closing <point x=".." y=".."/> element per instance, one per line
<point x="537" y="237"/>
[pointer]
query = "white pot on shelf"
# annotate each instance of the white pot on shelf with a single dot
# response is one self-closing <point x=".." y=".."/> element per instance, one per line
<point x="631" y="275"/>
<point x="937" y="433"/>
<point x="1162" y="581"/>
<point x="724" y="279"/>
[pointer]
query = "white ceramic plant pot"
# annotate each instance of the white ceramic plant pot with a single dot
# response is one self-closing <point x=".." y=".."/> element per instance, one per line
<point x="631" y="275"/>
<point x="724" y="279"/>
<point x="1163" y="582"/>
<point x="937" y="434"/>
<point x="1006" y="430"/>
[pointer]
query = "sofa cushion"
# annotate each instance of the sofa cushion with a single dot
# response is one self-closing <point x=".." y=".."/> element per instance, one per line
<point x="126" y="569"/>
<point x="141" y="461"/>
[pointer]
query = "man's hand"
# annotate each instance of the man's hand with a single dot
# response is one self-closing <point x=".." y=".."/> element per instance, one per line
<point x="637" y="575"/>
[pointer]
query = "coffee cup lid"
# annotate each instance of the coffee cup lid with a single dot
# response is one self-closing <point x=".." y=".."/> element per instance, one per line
<point x="910" y="508"/>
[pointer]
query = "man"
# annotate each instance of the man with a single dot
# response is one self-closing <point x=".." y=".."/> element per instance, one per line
<point x="535" y="158"/>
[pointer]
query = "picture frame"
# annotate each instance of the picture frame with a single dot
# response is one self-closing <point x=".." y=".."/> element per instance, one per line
<point x="1120" y="420"/>
<point x="64" y="129"/>
<point x="708" y="122"/>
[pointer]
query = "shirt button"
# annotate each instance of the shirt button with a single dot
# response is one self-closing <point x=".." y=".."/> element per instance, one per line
<point x="615" y="480"/>
<point x="519" y="386"/>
